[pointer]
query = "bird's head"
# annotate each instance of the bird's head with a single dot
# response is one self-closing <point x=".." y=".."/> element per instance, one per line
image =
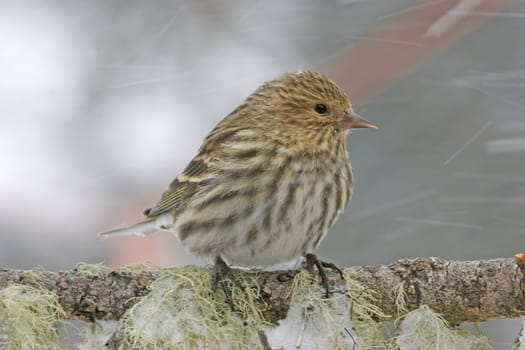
<point x="307" y="103"/>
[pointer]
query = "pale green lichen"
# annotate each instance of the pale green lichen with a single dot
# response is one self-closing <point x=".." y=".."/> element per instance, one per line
<point x="364" y="314"/>
<point x="344" y="321"/>
<point x="89" y="270"/>
<point x="138" y="267"/>
<point x="182" y="312"/>
<point x="400" y="298"/>
<point x="423" y="329"/>
<point x="29" y="318"/>
<point x="32" y="277"/>
<point x="360" y="328"/>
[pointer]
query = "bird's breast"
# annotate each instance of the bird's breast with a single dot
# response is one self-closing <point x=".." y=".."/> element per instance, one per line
<point x="274" y="214"/>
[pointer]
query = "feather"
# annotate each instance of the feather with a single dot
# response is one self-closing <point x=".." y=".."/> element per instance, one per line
<point x="182" y="188"/>
<point x="150" y="225"/>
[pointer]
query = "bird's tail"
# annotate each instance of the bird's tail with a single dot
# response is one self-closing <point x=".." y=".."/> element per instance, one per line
<point x="142" y="228"/>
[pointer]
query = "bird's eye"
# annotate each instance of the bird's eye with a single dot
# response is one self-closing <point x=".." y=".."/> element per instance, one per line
<point x="321" y="108"/>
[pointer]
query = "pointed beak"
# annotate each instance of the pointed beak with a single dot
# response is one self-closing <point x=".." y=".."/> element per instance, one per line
<point x="352" y="120"/>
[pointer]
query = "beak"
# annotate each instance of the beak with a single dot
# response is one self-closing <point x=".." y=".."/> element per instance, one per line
<point x="353" y="120"/>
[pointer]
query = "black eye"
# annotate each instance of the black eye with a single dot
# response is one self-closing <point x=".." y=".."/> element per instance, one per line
<point x="321" y="108"/>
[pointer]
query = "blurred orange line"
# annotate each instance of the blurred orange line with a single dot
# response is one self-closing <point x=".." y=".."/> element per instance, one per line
<point x="370" y="66"/>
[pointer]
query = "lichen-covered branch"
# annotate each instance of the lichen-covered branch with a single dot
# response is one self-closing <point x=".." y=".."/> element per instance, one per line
<point x="462" y="291"/>
<point x="459" y="290"/>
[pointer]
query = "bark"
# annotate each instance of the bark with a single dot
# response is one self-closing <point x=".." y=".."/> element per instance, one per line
<point x="462" y="291"/>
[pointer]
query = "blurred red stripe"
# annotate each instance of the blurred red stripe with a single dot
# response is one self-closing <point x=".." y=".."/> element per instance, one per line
<point x="370" y="66"/>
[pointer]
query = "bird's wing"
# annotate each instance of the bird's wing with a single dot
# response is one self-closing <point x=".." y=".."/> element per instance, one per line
<point x="183" y="187"/>
<point x="196" y="174"/>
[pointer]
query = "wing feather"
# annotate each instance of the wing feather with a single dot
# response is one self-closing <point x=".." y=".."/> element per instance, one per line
<point x="197" y="172"/>
<point x="183" y="187"/>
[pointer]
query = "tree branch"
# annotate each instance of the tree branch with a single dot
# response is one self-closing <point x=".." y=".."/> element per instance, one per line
<point x="462" y="291"/>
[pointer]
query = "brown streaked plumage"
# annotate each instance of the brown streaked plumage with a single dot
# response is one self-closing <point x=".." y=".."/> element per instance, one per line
<point x="268" y="181"/>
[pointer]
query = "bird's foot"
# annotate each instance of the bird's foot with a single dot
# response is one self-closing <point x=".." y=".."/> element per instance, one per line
<point x="312" y="260"/>
<point x="221" y="274"/>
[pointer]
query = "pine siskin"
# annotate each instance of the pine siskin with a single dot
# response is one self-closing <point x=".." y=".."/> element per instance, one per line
<point x="268" y="181"/>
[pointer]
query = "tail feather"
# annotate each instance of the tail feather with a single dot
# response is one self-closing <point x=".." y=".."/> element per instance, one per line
<point x="142" y="228"/>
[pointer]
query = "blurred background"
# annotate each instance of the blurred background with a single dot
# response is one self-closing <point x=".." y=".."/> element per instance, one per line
<point x="103" y="103"/>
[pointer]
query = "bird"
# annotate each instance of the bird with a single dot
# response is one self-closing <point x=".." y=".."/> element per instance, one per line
<point x="267" y="182"/>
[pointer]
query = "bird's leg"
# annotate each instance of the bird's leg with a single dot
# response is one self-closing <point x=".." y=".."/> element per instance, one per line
<point x="312" y="260"/>
<point x="221" y="273"/>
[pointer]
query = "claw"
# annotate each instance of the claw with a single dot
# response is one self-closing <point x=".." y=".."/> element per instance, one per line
<point x="312" y="260"/>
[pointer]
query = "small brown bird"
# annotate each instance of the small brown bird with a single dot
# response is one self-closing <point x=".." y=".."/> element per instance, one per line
<point x="268" y="181"/>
